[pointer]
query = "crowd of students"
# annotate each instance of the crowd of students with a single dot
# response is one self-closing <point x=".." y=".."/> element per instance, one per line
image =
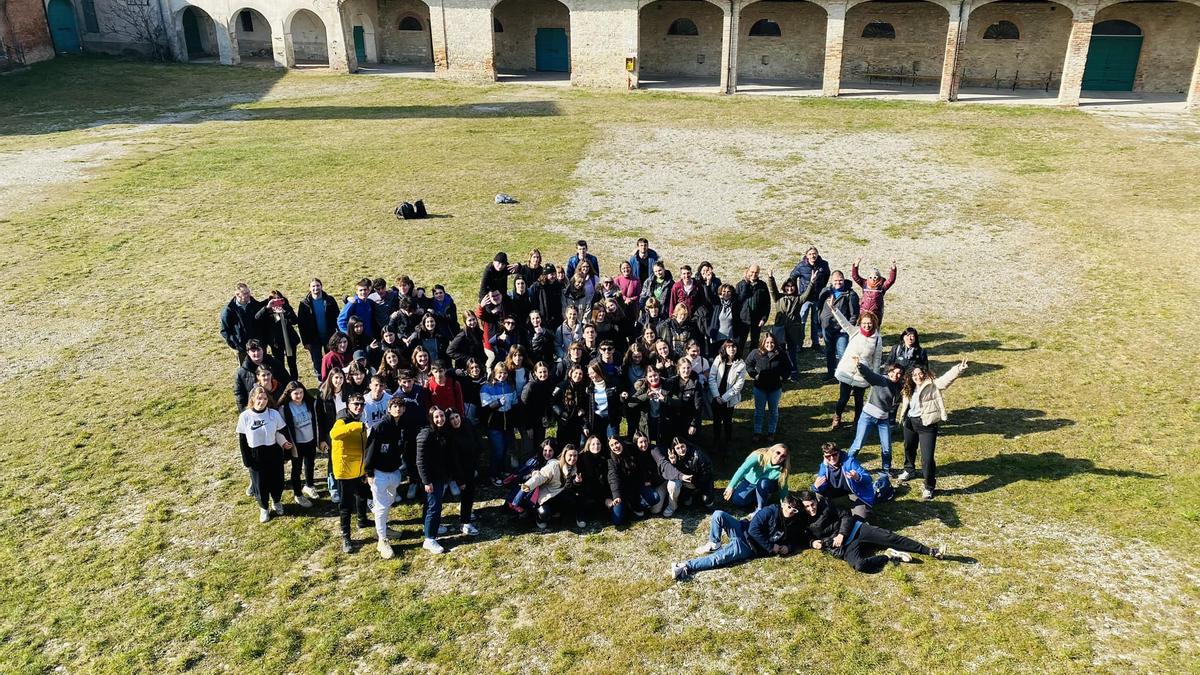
<point x="415" y="400"/>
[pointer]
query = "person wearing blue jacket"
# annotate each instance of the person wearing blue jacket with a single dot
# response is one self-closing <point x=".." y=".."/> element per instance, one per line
<point x="812" y="270"/>
<point x="361" y="307"/>
<point x="643" y="259"/>
<point x="840" y="474"/>
<point x="581" y="254"/>
<point x="777" y="529"/>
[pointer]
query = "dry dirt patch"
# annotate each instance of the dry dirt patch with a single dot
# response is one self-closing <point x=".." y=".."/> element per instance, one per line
<point x="738" y="195"/>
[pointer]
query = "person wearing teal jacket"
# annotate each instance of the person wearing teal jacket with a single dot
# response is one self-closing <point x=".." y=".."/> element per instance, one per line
<point x="763" y="476"/>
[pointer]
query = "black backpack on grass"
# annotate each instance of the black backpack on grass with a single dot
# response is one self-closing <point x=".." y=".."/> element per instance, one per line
<point x="411" y="211"/>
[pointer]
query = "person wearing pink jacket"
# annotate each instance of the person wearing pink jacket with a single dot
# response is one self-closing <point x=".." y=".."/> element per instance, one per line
<point x="873" y="288"/>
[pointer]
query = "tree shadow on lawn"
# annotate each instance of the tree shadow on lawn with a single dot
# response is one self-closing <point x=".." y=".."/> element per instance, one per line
<point x="395" y="112"/>
<point x="1005" y="469"/>
<point x="1009" y="422"/>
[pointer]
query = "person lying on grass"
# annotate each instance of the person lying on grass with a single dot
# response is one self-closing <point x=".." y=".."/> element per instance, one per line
<point x="777" y="529"/>
<point x="847" y="537"/>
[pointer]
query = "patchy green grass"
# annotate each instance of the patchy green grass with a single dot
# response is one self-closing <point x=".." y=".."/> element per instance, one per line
<point x="1067" y="472"/>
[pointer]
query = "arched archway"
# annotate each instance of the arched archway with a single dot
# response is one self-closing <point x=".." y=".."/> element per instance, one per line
<point x="366" y="44"/>
<point x="1015" y="44"/>
<point x="679" y="43"/>
<point x="914" y="56"/>
<point x="781" y="41"/>
<point x="253" y="35"/>
<point x="199" y="33"/>
<point x="1162" y="59"/>
<point x="536" y="38"/>
<point x="308" y="40"/>
<point x="405" y="37"/>
<point x="60" y="16"/>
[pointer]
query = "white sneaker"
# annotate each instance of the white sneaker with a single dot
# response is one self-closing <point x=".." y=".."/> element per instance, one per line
<point x="443" y="529"/>
<point x="309" y="491"/>
<point x="939" y="551"/>
<point x="902" y="556"/>
<point x="412" y="492"/>
<point x="706" y="548"/>
<point x="679" y="571"/>
<point x="303" y="501"/>
<point x="385" y="549"/>
<point x="905" y="475"/>
<point x="580" y="523"/>
<point x="470" y="530"/>
<point x="668" y="512"/>
<point x="926" y="494"/>
<point x="250" y="490"/>
<point x="433" y="546"/>
<point x="542" y="526"/>
<point x="263" y="515"/>
<point x="279" y="507"/>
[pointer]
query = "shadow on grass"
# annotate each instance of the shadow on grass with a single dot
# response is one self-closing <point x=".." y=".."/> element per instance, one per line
<point x="1005" y="469"/>
<point x="1008" y="422"/>
<point x="396" y="112"/>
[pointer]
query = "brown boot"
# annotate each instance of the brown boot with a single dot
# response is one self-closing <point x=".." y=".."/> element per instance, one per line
<point x="837" y="423"/>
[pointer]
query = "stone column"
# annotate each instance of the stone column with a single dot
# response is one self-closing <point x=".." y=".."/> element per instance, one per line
<point x="1077" y="54"/>
<point x="437" y="33"/>
<point x="466" y="45"/>
<point x="339" y="40"/>
<point x="226" y="49"/>
<point x="951" y="70"/>
<point x="281" y="43"/>
<point x="835" y="32"/>
<point x="1193" y="99"/>
<point x="729" y="45"/>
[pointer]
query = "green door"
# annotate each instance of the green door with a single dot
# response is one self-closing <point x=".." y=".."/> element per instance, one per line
<point x="61" y="17"/>
<point x="552" y="51"/>
<point x="1112" y="62"/>
<point x="360" y="44"/>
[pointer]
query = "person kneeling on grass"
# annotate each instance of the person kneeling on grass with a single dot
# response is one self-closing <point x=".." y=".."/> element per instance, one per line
<point x="777" y="529"/>
<point x="841" y="474"/>
<point x="763" y="475"/>
<point x="557" y="487"/>
<point x="852" y="539"/>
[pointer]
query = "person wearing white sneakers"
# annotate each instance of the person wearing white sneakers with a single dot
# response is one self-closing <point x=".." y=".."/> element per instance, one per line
<point x="846" y="537"/>
<point x="555" y="486"/>
<point x="464" y="440"/>
<point x="776" y="529"/>
<point x="300" y="414"/>
<point x="433" y="467"/>
<point x="260" y="431"/>
<point x="384" y="464"/>
<point x="921" y="411"/>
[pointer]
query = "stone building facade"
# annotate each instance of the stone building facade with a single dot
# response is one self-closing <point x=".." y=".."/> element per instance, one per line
<point x="1140" y="45"/>
<point x="24" y="35"/>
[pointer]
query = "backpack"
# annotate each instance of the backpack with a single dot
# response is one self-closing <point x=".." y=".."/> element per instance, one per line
<point x="420" y="208"/>
<point x="406" y="211"/>
<point x="884" y="492"/>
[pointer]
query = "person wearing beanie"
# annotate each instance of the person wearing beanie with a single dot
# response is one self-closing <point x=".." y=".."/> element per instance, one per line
<point x="873" y="288"/>
<point x="495" y="275"/>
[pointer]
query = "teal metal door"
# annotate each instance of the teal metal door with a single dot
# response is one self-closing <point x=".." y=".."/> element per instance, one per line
<point x="360" y="44"/>
<point x="61" y="16"/>
<point x="553" y="53"/>
<point x="1112" y="62"/>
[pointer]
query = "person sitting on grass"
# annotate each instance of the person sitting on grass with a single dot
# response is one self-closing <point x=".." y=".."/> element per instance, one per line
<point x="625" y="480"/>
<point x="776" y="529"/>
<point x="518" y="500"/>
<point x="260" y="430"/>
<point x="878" y="410"/>
<point x="842" y="475"/>
<point x="760" y="478"/>
<point x="688" y="473"/>
<point x="557" y="488"/>
<point x="852" y="539"/>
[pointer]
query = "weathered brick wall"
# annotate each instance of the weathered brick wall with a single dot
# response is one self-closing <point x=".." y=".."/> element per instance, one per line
<point x="663" y="55"/>
<point x="257" y="42"/>
<point x="514" y="46"/>
<point x="603" y="34"/>
<point x="1031" y="59"/>
<point x="920" y="40"/>
<point x="24" y="34"/>
<point x="309" y="37"/>
<point x="1171" y="34"/>
<point x="797" y="54"/>
<point x="405" y="47"/>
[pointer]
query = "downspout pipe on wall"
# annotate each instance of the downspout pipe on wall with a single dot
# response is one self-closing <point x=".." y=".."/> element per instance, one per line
<point x="730" y="64"/>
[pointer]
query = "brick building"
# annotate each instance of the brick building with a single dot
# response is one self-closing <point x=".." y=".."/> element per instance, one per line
<point x="1066" y="45"/>
<point x="24" y="37"/>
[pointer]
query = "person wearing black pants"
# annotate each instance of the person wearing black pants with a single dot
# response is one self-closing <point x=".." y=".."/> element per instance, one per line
<point x="922" y="409"/>
<point x="464" y="440"/>
<point x="299" y="412"/>
<point x="261" y="437"/>
<point x="347" y="458"/>
<point x="844" y="536"/>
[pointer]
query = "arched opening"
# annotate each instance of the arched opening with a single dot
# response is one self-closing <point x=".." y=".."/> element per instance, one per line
<point x="679" y="44"/>
<point x="60" y="16"/>
<point x="1143" y="47"/>
<point x="1015" y="45"/>
<point x="253" y="34"/>
<point x="894" y="43"/>
<point x="310" y="46"/>
<point x="536" y="40"/>
<point x="199" y="34"/>
<point x="782" y="41"/>
<point x="405" y="38"/>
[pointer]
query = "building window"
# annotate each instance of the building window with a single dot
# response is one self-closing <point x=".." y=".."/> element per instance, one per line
<point x="247" y="21"/>
<point x="1002" y="30"/>
<point x="497" y="27"/>
<point x="411" y="23"/>
<point x="90" y="23"/>
<point x="1116" y="27"/>
<point x="765" y="28"/>
<point x="683" y="27"/>
<point x="878" y="30"/>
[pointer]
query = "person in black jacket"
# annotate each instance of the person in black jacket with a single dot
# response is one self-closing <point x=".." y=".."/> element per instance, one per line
<point x="848" y="538"/>
<point x="725" y="321"/>
<point x="879" y="410"/>
<point x="466" y="447"/>
<point x="769" y="366"/>
<point x="468" y="344"/>
<point x="689" y="391"/>
<point x="570" y="406"/>
<point x="777" y="529"/>
<point x="385" y="467"/>
<point x="317" y="320"/>
<point x="278" y="322"/>
<point x="246" y="376"/>
<point x="756" y="302"/>
<point x="840" y="296"/>
<point x="605" y="408"/>
<point x="624" y="483"/>
<point x="435" y="470"/>
<point x="537" y="397"/>
<point x="652" y="493"/>
<point x="909" y="352"/>
<point x="546" y="295"/>
<point x="495" y="275"/>
<point x="239" y="324"/>
<point x="812" y="270"/>
<point x="303" y="428"/>
<point x="688" y="473"/>
<point x="594" y="489"/>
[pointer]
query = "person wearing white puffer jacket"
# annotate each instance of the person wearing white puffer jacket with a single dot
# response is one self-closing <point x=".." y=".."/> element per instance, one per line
<point x="866" y="347"/>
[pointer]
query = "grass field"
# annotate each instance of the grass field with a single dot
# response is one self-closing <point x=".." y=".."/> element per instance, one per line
<point x="1056" y="250"/>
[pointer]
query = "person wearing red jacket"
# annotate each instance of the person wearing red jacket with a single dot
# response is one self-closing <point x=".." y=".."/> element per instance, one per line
<point x="444" y="390"/>
<point x="873" y="288"/>
<point x="686" y="291"/>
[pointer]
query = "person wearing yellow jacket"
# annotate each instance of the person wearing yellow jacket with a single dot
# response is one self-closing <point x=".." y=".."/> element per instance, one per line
<point x="348" y="439"/>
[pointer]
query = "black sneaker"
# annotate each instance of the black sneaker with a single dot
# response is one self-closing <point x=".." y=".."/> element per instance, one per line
<point x="364" y="523"/>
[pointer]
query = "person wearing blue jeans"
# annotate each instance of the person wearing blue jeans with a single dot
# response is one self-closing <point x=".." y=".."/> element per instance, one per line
<point x="811" y="272"/>
<point x="769" y="366"/>
<point x="500" y="397"/>
<point x="841" y="297"/>
<point x="434" y="467"/>
<point x="774" y="530"/>
<point x="762" y="476"/>
<point x="835" y="346"/>
<point x="877" y="412"/>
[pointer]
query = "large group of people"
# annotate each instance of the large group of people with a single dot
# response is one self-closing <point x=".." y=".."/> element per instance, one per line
<point x="580" y="395"/>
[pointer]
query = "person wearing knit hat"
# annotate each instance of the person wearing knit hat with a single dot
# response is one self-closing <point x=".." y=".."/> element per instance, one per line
<point x="495" y="275"/>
